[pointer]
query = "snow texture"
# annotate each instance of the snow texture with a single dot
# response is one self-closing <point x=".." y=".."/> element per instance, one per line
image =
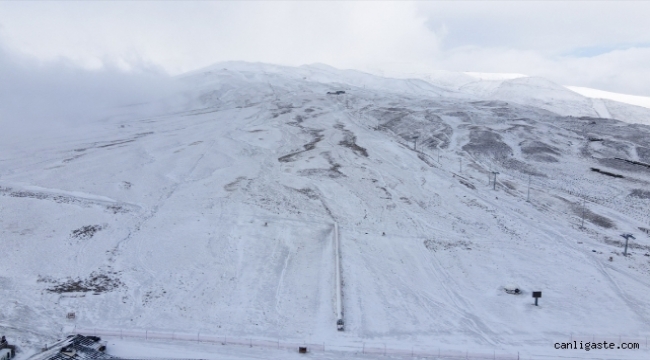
<point x="217" y="214"/>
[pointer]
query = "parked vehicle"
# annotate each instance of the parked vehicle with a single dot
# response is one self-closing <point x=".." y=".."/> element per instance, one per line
<point x="6" y="351"/>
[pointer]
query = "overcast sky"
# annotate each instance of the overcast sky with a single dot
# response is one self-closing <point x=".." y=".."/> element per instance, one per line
<point x="604" y="45"/>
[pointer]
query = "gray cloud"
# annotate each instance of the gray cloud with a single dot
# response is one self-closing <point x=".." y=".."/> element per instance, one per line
<point x="593" y="44"/>
<point x="38" y="96"/>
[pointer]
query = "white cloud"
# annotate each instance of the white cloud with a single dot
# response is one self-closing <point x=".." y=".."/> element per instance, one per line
<point x="544" y="26"/>
<point x="547" y="39"/>
<point x="622" y="71"/>
<point x="182" y="36"/>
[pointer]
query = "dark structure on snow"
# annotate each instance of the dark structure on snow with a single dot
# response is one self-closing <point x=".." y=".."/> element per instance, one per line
<point x="6" y="351"/>
<point x="77" y="347"/>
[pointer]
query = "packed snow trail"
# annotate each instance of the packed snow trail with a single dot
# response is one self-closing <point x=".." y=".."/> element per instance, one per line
<point x="601" y="108"/>
<point x="337" y="254"/>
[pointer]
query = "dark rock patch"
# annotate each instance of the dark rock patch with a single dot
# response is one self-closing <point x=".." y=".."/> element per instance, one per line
<point x="640" y="194"/>
<point x="317" y="137"/>
<point x="592" y="217"/>
<point x="537" y="148"/>
<point x="440" y="245"/>
<point x="631" y="244"/>
<point x="606" y="173"/>
<point x="86" y="232"/>
<point x="428" y="128"/>
<point x="310" y="193"/>
<point x="115" y="143"/>
<point x="350" y="141"/>
<point x="485" y="142"/>
<point x="643" y="153"/>
<point x="333" y="172"/>
<point x="95" y="282"/>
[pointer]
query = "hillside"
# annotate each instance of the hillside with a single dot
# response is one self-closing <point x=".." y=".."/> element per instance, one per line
<point x="217" y="214"/>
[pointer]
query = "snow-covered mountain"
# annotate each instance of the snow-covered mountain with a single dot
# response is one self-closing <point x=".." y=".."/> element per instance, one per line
<point x="217" y="214"/>
<point x="541" y="93"/>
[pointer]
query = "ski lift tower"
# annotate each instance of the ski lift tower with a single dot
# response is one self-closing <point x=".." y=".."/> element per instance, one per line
<point x="627" y="238"/>
<point x="494" y="183"/>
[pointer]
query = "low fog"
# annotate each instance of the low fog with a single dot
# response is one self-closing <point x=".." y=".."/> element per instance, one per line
<point x="39" y="97"/>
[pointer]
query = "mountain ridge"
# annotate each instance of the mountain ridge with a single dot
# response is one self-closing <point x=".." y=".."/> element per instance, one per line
<point x="217" y="215"/>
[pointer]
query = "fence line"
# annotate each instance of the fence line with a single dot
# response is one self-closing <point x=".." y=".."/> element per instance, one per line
<point x="367" y="348"/>
<point x="363" y="348"/>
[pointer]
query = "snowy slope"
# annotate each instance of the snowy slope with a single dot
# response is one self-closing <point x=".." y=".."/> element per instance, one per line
<point x="642" y="101"/>
<point x="539" y="92"/>
<point x="632" y="114"/>
<point x="217" y="214"/>
<point x="629" y="108"/>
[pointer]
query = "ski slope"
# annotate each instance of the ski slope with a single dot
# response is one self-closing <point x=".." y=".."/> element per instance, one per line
<point x="218" y="215"/>
<point x="642" y="101"/>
